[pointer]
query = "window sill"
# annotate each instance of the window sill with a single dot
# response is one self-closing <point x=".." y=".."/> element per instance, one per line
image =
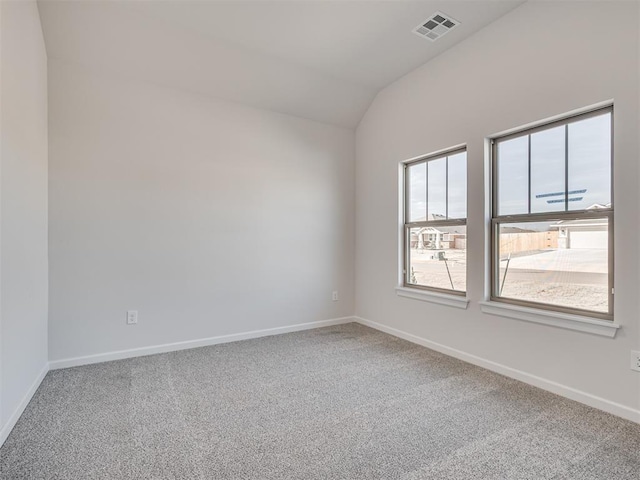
<point x="456" y="301"/>
<point x="555" y="319"/>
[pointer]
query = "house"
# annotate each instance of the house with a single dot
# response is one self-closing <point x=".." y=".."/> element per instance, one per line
<point x="584" y="233"/>
<point x="205" y="208"/>
<point x="436" y="238"/>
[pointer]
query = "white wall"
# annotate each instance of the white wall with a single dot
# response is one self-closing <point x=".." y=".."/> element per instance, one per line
<point x="540" y="60"/>
<point x="23" y="214"/>
<point x="208" y="217"/>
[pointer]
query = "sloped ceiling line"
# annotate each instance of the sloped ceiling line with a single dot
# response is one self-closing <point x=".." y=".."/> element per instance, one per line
<point x="324" y="61"/>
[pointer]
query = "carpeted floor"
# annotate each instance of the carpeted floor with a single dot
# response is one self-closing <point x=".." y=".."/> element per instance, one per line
<point x="344" y="402"/>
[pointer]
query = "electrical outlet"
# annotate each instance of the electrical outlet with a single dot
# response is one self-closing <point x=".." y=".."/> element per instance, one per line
<point x="334" y="296"/>
<point x="132" y="317"/>
<point x="635" y="360"/>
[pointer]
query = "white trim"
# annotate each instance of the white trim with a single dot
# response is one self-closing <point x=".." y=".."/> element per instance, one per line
<point x="551" y="386"/>
<point x="15" y="416"/>
<point x="555" y="319"/>
<point x="433" y="297"/>
<point x="203" y="342"/>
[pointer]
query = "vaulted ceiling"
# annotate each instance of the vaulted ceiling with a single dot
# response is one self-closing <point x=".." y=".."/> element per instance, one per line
<point x="324" y="60"/>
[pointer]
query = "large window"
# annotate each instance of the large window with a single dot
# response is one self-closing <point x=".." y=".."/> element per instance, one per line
<point x="435" y="222"/>
<point x="552" y="216"/>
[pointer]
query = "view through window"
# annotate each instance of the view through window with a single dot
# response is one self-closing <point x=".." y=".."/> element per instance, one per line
<point x="435" y="224"/>
<point x="552" y="226"/>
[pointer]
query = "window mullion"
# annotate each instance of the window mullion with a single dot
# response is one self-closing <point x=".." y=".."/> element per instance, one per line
<point x="529" y="172"/>
<point x="426" y="191"/>
<point x="446" y="187"/>
<point x="566" y="168"/>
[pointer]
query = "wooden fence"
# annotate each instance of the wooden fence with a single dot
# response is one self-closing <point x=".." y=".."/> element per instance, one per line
<point x="527" y="242"/>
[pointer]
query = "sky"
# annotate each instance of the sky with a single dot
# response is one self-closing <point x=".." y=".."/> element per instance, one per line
<point x="437" y="187"/>
<point x="589" y="172"/>
<point x="589" y="168"/>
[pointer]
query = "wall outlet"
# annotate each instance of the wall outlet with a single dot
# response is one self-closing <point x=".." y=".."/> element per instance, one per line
<point x="635" y="360"/>
<point x="334" y="296"/>
<point x="132" y="317"/>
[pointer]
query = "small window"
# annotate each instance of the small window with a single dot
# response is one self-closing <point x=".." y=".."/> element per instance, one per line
<point x="552" y="216"/>
<point x="435" y="222"/>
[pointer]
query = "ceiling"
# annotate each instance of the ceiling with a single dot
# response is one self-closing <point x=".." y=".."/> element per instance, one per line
<point x="324" y="60"/>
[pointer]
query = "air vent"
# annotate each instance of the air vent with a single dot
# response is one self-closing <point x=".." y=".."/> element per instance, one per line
<point x="436" y="26"/>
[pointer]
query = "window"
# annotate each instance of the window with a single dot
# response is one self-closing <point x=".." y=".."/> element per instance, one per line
<point x="435" y="222"/>
<point x="552" y="216"/>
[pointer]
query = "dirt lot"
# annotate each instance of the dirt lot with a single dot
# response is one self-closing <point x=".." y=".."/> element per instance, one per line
<point x="573" y="278"/>
<point x="433" y="273"/>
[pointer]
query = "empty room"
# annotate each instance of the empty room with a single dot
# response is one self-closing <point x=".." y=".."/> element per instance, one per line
<point x="320" y="239"/>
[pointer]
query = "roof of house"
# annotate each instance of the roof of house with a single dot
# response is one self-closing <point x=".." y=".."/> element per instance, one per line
<point x="583" y="222"/>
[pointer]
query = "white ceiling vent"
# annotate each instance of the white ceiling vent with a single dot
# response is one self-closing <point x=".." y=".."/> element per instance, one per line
<point x="436" y="26"/>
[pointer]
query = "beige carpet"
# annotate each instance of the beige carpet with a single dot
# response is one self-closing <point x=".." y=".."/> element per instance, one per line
<point x="344" y="402"/>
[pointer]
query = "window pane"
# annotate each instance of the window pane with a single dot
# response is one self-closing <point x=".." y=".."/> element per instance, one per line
<point x="561" y="263"/>
<point x="548" y="170"/>
<point x="590" y="162"/>
<point x="458" y="185"/>
<point x="437" y="189"/>
<point x="417" y="191"/>
<point x="513" y="176"/>
<point x="438" y="257"/>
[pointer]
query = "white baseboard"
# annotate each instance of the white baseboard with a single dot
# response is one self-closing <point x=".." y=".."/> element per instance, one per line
<point x="554" y="387"/>
<point x="13" y="419"/>
<point x="608" y="406"/>
<point x="203" y="342"/>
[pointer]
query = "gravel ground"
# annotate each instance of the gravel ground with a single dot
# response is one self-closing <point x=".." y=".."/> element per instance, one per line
<point x="563" y="277"/>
